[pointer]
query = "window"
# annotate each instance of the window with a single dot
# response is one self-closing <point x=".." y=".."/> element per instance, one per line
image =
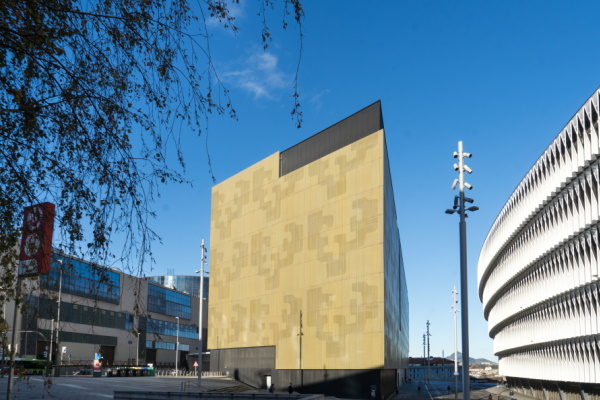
<point x="83" y="279"/>
<point x="48" y="309"/>
<point x="150" y="344"/>
<point x="158" y="327"/>
<point x="169" y="302"/>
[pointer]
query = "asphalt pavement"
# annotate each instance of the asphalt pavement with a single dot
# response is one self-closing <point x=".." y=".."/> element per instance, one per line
<point x="439" y="390"/>
<point x="89" y="388"/>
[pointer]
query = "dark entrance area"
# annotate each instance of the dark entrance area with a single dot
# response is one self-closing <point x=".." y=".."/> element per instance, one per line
<point x="151" y="356"/>
<point x="42" y="351"/>
<point x="183" y="361"/>
<point x="108" y="354"/>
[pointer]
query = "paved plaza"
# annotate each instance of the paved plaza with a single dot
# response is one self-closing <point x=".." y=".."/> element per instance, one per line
<point x="89" y="388"/>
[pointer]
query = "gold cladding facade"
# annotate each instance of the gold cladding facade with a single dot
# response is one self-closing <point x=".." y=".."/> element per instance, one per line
<point x="310" y="242"/>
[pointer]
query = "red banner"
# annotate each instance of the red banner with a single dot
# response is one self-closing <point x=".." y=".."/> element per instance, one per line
<point x="36" y="242"/>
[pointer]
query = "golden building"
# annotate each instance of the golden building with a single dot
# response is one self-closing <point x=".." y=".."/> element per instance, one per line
<point x="307" y="279"/>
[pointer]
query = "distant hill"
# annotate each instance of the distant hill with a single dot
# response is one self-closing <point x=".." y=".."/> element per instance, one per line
<point x="471" y="359"/>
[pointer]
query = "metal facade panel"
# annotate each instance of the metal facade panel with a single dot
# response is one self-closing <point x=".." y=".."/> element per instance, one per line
<point x="538" y="269"/>
<point x="347" y="131"/>
<point x="282" y="227"/>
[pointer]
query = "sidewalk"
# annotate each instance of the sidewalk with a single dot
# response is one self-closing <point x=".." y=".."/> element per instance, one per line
<point x="439" y="391"/>
<point x="410" y="391"/>
<point x="503" y="393"/>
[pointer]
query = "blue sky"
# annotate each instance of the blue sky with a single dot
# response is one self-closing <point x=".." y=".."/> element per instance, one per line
<point x="502" y="76"/>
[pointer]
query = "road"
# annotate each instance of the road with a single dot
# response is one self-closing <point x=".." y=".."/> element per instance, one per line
<point x="88" y="388"/>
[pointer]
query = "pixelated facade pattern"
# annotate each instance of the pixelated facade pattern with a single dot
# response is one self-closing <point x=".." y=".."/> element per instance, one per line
<point x="321" y="240"/>
<point x="538" y="267"/>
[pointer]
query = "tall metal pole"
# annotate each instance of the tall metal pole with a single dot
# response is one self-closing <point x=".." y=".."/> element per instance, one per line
<point x="11" y="373"/>
<point x="424" y="359"/>
<point x="137" y="348"/>
<point x="464" y="279"/>
<point x="300" y="336"/>
<point x="51" y="338"/>
<point x="460" y="206"/>
<point x="3" y="360"/>
<point x="428" y="356"/>
<point x="177" y="350"/>
<point x="58" y="351"/>
<point x="200" y="312"/>
<point x="455" y="310"/>
<point x="5" y="321"/>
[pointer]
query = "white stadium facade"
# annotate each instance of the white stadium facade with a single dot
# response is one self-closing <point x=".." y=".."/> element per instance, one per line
<point x="538" y="269"/>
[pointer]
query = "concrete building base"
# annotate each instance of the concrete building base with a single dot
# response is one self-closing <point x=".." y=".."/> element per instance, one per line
<point x="256" y="367"/>
<point x="551" y="390"/>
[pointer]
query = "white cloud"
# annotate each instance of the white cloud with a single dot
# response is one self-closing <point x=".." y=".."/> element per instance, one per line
<point x="316" y="99"/>
<point x="260" y="76"/>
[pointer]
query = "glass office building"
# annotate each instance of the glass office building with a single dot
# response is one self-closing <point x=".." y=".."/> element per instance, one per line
<point x="102" y="310"/>
<point x="83" y="279"/>
<point x="189" y="284"/>
<point x="166" y="301"/>
<point x="307" y="277"/>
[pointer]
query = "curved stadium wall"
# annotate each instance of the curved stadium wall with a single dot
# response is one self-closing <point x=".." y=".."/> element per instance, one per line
<point x="538" y="267"/>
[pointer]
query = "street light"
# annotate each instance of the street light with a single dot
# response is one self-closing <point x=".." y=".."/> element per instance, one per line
<point x="459" y="207"/>
<point x="177" y="350"/>
<point x="51" y="339"/>
<point x="428" y="356"/>
<point x="4" y="331"/>
<point x="454" y="311"/>
<point x="200" y="312"/>
<point x="56" y="364"/>
<point x="424" y="359"/>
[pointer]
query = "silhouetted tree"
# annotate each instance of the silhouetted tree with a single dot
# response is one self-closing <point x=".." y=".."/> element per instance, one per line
<point x="92" y="98"/>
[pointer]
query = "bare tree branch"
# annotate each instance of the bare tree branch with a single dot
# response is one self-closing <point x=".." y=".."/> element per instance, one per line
<point x="93" y="95"/>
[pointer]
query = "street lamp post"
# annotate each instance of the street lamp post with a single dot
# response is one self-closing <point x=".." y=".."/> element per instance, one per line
<point x="428" y="356"/>
<point x="200" y="312"/>
<point x="459" y="206"/>
<point x="13" y="339"/>
<point x="51" y="337"/>
<point x="3" y="338"/>
<point x="136" y="333"/>
<point x="424" y="359"/>
<point x="56" y="363"/>
<point x="454" y="311"/>
<point x="300" y="338"/>
<point x="177" y="350"/>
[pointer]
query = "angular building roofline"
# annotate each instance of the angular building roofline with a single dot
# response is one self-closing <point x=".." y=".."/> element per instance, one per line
<point x="347" y="131"/>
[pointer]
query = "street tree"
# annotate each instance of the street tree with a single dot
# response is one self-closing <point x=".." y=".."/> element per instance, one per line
<point x="93" y="95"/>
